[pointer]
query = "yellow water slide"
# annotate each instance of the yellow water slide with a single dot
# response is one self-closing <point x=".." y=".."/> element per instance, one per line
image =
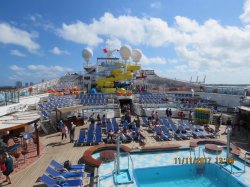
<point x="107" y="84"/>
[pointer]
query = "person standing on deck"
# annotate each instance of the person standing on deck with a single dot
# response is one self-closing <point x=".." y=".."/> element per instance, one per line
<point x="72" y="132"/>
<point x="190" y="117"/>
<point x="9" y="167"/>
<point x="219" y="122"/>
<point x="170" y="113"/>
<point x="103" y="120"/>
<point x="167" y="112"/>
<point x="229" y="124"/>
<point x="64" y="132"/>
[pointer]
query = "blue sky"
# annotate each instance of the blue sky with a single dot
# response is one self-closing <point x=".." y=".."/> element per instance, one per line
<point x="179" y="39"/>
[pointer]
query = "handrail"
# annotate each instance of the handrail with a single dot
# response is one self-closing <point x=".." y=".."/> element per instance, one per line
<point x="245" y="163"/>
<point x="192" y="148"/>
<point x="220" y="146"/>
<point x="202" y="151"/>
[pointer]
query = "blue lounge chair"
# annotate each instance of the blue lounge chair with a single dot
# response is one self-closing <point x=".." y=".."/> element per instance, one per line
<point x="90" y="134"/>
<point x="165" y="130"/>
<point x="109" y="126"/>
<point x="195" y="131"/>
<point x="160" y="136"/>
<point x="177" y="132"/>
<point x="145" y="121"/>
<point x="56" y="183"/>
<point x="115" y="125"/>
<point x="59" y="166"/>
<point x="55" y="174"/>
<point x="205" y="133"/>
<point x="98" y="133"/>
<point x="81" y="139"/>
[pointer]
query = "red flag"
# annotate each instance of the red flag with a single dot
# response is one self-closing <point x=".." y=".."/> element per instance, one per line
<point x="105" y="50"/>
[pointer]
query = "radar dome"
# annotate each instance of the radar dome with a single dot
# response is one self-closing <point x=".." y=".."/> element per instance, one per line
<point x="125" y="52"/>
<point x="87" y="54"/>
<point x="136" y="55"/>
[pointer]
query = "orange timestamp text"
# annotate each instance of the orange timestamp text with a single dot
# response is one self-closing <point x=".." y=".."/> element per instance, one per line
<point x="203" y="160"/>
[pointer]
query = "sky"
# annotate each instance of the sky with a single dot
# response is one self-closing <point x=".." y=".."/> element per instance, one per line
<point x="179" y="39"/>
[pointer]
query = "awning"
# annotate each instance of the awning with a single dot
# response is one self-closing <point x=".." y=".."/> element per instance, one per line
<point x="244" y="108"/>
<point x="69" y="109"/>
<point x="18" y="120"/>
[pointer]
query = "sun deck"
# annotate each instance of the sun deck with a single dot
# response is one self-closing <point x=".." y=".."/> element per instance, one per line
<point x="61" y="151"/>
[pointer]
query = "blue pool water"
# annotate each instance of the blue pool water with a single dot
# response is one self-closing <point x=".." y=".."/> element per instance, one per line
<point x="161" y="159"/>
<point x="209" y="175"/>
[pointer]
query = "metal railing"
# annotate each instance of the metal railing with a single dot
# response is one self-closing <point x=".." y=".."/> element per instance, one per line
<point x="245" y="160"/>
<point x="192" y="149"/>
<point x="202" y="151"/>
<point x="231" y="169"/>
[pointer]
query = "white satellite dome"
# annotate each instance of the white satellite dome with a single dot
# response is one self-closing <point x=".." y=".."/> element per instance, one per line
<point x="125" y="52"/>
<point x="87" y="54"/>
<point x="136" y="55"/>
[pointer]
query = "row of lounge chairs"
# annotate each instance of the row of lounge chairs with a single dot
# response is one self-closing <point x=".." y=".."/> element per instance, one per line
<point x="171" y="130"/>
<point x="57" y="175"/>
<point x="93" y="135"/>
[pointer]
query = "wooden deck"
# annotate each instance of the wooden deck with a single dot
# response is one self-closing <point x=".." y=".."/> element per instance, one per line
<point x="61" y="151"/>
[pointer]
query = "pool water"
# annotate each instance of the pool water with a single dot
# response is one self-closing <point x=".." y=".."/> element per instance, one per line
<point x="163" y="159"/>
<point x="209" y="175"/>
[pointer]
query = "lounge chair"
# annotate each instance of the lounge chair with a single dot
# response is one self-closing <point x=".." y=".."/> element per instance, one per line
<point x="195" y="131"/>
<point x="205" y="133"/>
<point x="56" y="174"/>
<point x="145" y="121"/>
<point x="59" y="166"/>
<point x="184" y="131"/>
<point x="165" y="130"/>
<point x="115" y="124"/>
<point x="56" y="183"/>
<point x="98" y="134"/>
<point x="177" y="132"/>
<point x="90" y="134"/>
<point x="160" y="136"/>
<point x="82" y="137"/>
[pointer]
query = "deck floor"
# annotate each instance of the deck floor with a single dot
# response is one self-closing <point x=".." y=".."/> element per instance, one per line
<point x="61" y="151"/>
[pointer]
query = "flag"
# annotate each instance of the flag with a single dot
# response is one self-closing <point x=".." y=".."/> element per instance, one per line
<point x="105" y="50"/>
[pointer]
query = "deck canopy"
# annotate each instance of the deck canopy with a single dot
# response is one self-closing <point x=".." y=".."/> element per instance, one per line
<point x="18" y="120"/>
<point x="70" y="109"/>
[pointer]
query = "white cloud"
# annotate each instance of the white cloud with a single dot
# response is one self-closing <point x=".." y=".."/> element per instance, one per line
<point x="113" y="43"/>
<point x="58" y="51"/>
<point x="16" y="52"/>
<point x="16" y="68"/>
<point x="13" y="35"/>
<point x="155" y="4"/>
<point x="38" y="71"/>
<point x="200" y="46"/>
<point x="245" y="16"/>
<point x="150" y="31"/>
<point x="155" y="60"/>
<point x="79" y="33"/>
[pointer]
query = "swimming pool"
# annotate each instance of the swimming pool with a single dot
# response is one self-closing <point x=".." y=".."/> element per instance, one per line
<point x="210" y="175"/>
<point x="159" y="159"/>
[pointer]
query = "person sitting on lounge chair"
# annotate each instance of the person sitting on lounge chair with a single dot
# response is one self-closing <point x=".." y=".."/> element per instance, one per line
<point x="208" y="129"/>
<point x="110" y="137"/>
<point x="157" y="122"/>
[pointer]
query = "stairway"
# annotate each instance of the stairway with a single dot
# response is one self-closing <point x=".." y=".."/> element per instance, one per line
<point x="47" y="127"/>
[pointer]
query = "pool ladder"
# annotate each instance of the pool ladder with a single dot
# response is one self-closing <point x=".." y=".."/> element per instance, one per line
<point x="245" y="158"/>
<point x="192" y="149"/>
<point x="231" y="170"/>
